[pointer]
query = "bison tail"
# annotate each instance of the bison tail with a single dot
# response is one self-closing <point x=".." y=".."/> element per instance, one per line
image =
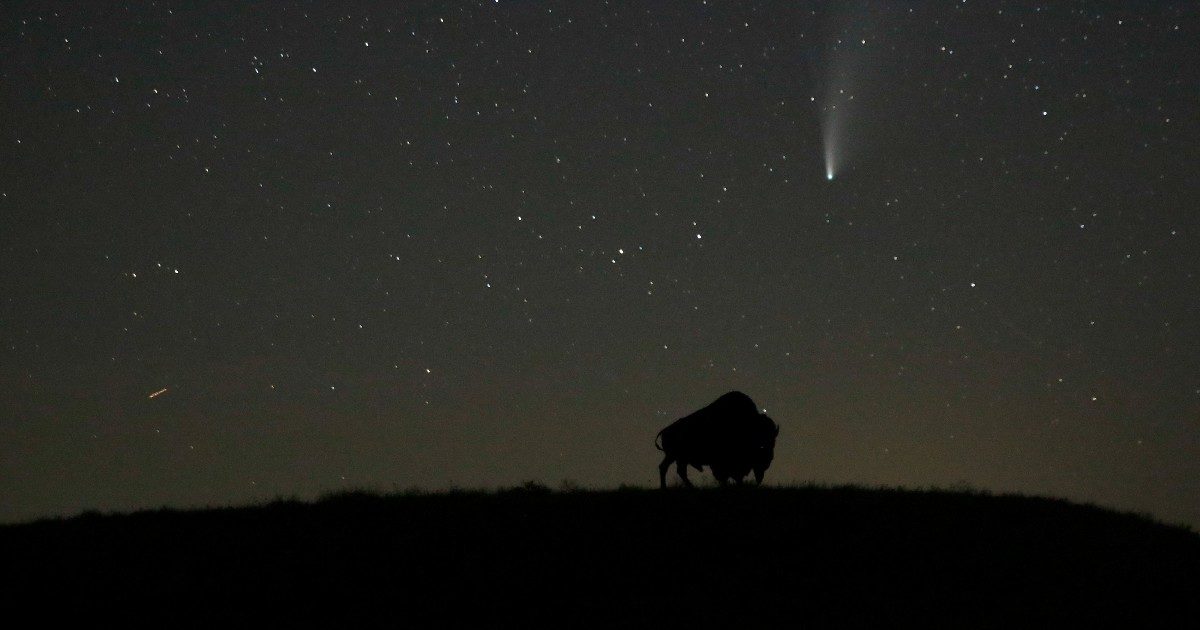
<point x="656" y="444"/>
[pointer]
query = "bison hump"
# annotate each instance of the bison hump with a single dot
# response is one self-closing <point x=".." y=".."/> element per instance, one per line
<point x="735" y="402"/>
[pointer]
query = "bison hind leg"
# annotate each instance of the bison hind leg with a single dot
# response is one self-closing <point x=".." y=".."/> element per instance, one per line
<point x="662" y="470"/>
<point x="682" y="469"/>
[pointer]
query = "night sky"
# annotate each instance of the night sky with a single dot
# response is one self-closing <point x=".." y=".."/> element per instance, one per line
<point x="293" y="248"/>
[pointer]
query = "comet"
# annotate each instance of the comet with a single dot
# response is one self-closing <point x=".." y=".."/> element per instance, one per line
<point x="832" y="129"/>
<point x="854" y="56"/>
<point x="157" y="393"/>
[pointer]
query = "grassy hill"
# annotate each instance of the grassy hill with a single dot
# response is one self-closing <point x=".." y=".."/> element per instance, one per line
<point x="630" y="557"/>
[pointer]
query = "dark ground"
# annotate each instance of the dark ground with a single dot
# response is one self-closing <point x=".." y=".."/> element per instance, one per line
<point x="735" y="558"/>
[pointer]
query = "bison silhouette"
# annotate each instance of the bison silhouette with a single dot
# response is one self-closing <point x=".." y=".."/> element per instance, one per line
<point x="729" y="436"/>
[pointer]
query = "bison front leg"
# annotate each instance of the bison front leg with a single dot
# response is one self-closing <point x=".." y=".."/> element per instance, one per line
<point x="758" y="475"/>
<point x="720" y="474"/>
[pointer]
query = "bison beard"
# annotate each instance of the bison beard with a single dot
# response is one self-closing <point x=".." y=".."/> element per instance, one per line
<point x="729" y="436"/>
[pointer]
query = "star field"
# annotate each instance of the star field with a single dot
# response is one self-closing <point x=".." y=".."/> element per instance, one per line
<point x="285" y="249"/>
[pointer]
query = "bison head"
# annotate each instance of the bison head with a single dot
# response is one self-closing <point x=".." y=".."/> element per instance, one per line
<point x="763" y="448"/>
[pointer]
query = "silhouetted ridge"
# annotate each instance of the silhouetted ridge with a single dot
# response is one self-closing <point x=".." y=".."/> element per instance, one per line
<point x="628" y="557"/>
